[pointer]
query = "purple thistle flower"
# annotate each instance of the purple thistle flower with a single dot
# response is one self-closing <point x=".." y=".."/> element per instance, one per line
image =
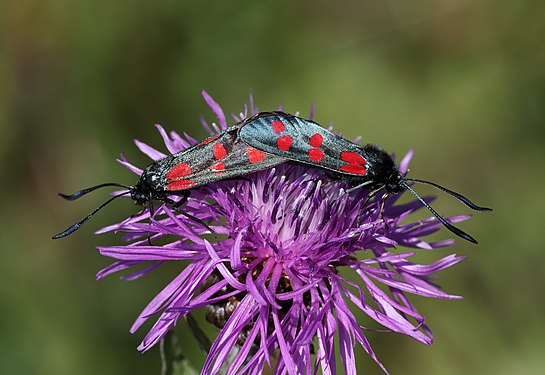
<point x="272" y="284"/>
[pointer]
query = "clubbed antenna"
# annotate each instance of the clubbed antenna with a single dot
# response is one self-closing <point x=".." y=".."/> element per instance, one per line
<point x="82" y="192"/>
<point x="79" y="194"/>
<point x="452" y="228"/>
<point x="460" y="197"/>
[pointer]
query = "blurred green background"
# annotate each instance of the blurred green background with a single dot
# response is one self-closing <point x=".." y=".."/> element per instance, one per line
<point x="461" y="82"/>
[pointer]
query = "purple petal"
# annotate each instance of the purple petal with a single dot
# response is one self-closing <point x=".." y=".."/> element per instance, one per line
<point x="171" y="147"/>
<point x="147" y="253"/>
<point x="228" y="335"/>
<point x="404" y="165"/>
<point x="284" y="348"/>
<point x="123" y="161"/>
<point x="116" y="267"/>
<point x="215" y="108"/>
<point x="149" y="151"/>
<point x="222" y="269"/>
<point x="160" y="298"/>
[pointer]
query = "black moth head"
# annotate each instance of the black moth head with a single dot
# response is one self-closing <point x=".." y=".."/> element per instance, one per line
<point x="150" y="185"/>
<point x="146" y="189"/>
<point x="382" y="173"/>
<point x="141" y="191"/>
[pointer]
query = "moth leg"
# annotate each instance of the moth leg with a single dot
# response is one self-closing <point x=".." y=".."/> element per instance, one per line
<point x="151" y="213"/>
<point x="384" y="196"/>
<point x="184" y="199"/>
<point x="362" y="207"/>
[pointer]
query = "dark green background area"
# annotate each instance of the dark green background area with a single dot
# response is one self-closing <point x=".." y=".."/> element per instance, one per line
<point x="461" y="82"/>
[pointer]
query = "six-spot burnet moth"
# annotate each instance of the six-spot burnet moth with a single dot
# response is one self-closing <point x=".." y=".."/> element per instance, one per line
<point x="367" y="166"/>
<point x="218" y="157"/>
<point x="263" y="141"/>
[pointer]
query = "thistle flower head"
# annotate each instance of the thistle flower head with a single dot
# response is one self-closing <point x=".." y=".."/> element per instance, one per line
<point x="299" y="261"/>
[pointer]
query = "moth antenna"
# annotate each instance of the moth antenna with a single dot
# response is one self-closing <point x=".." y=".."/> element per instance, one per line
<point x="460" y="197"/>
<point x="78" y="225"/>
<point x="452" y="228"/>
<point x="81" y="193"/>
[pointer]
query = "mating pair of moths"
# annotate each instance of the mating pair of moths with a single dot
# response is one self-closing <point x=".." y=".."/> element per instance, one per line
<point x="261" y="142"/>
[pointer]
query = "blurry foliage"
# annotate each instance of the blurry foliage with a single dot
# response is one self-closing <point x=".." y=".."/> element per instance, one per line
<point x="462" y="82"/>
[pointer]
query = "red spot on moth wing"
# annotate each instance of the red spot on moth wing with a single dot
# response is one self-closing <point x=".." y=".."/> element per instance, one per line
<point x="316" y="140"/>
<point x="211" y="139"/>
<point x="353" y="169"/>
<point x="254" y="155"/>
<point x="218" y="167"/>
<point x="178" y="171"/>
<point x="278" y="126"/>
<point x="219" y="151"/>
<point x="180" y="185"/>
<point x="352" y="157"/>
<point x="315" y="154"/>
<point x="284" y="142"/>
